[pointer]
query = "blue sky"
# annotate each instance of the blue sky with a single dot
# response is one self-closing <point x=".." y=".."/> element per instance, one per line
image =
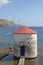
<point x="23" y="12"/>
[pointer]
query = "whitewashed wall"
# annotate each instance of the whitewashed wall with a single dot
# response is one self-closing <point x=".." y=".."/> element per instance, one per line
<point x="30" y="42"/>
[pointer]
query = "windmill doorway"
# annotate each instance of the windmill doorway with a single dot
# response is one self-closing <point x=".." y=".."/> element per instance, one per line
<point x="22" y="50"/>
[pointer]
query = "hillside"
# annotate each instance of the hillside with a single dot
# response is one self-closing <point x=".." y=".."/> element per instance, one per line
<point x="4" y="22"/>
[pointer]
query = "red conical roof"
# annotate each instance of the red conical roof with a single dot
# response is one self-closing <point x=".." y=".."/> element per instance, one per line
<point x="25" y="30"/>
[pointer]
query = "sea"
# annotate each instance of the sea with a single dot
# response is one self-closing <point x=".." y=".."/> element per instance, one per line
<point x="7" y="41"/>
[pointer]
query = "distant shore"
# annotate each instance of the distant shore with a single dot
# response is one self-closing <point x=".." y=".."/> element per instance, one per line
<point x="7" y="23"/>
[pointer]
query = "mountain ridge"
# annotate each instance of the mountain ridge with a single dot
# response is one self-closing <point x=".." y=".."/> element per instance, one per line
<point x="4" y="22"/>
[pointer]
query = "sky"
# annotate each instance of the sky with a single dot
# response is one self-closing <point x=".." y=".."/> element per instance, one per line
<point x="22" y="12"/>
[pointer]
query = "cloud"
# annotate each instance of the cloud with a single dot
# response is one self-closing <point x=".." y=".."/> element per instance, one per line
<point x="3" y="2"/>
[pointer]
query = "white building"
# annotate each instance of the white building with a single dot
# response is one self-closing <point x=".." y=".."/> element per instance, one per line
<point x="25" y="43"/>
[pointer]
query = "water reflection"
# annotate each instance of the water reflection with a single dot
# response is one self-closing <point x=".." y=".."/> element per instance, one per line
<point x="10" y="57"/>
<point x="31" y="61"/>
<point x="40" y="60"/>
<point x="10" y="60"/>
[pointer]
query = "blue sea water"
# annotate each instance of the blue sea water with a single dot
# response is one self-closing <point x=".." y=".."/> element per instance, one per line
<point x="7" y="36"/>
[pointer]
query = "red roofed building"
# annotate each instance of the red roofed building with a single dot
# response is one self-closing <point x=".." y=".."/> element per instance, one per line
<point x="25" y="43"/>
<point x="25" y="30"/>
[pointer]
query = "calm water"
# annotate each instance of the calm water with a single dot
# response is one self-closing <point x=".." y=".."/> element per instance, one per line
<point x="7" y="40"/>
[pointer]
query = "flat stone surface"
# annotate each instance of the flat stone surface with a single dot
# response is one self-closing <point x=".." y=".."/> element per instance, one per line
<point x="21" y="61"/>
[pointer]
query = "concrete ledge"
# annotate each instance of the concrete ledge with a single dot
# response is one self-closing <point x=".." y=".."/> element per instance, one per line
<point x="21" y="61"/>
